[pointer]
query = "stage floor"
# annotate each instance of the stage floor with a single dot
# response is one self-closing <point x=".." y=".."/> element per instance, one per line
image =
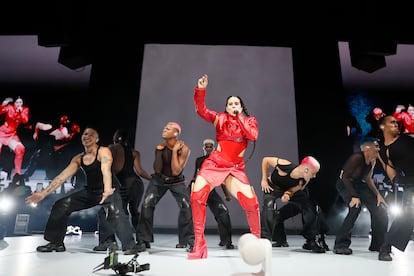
<point x="18" y="256"/>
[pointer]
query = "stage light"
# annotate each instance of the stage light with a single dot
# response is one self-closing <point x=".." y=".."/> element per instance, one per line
<point x="395" y="210"/>
<point x="6" y="203"/>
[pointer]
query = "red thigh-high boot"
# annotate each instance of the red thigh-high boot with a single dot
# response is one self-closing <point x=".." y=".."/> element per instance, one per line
<point x="251" y="207"/>
<point x="198" y="208"/>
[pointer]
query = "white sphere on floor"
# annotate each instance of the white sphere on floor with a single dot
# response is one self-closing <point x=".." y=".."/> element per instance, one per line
<point x="251" y="249"/>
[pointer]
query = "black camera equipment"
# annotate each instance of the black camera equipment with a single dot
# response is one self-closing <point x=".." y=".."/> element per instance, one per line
<point x="111" y="262"/>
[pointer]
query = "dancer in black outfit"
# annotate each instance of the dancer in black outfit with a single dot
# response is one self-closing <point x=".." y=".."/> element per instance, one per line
<point x="101" y="188"/>
<point x="397" y="158"/>
<point x="215" y="202"/>
<point x="171" y="156"/>
<point x="127" y="167"/>
<point x="291" y="209"/>
<point x="288" y="182"/>
<point x="356" y="187"/>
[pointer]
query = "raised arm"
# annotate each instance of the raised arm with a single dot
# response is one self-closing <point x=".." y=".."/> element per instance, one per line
<point x="199" y="100"/>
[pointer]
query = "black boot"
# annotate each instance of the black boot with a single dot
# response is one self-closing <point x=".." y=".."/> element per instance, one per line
<point x="322" y="243"/>
<point x="384" y="253"/>
<point x="313" y="246"/>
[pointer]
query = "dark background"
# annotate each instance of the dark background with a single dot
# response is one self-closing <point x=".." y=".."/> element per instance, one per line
<point x="110" y="38"/>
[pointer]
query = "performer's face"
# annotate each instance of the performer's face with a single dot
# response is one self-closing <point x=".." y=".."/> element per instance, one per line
<point x="309" y="173"/>
<point x="373" y="150"/>
<point x="90" y="137"/>
<point x="208" y="148"/>
<point x="169" y="132"/>
<point x="233" y="104"/>
<point x="390" y="125"/>
<point x="18" y="103"/>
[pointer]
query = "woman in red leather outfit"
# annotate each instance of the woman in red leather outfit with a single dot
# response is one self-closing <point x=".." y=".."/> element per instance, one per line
<point x="14" y="115"/>
<point x="234" y="130"/>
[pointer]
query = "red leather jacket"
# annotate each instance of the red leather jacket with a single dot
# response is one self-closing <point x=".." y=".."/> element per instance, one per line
<point x="13" y="118"/>
<point x="238" y="128"/>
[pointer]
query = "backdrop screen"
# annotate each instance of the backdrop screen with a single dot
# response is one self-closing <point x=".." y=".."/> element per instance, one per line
<point x="50" y="91"/>
<point x="261" y="76"/>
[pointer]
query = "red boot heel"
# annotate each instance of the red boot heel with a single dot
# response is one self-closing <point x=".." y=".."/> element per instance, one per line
<point x="198" y="253"/>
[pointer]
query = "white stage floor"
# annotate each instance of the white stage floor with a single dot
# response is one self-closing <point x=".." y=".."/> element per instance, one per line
<point x="18" y="256"/>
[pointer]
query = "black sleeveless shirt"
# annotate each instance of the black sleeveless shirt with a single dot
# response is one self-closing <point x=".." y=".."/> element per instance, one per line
<point x="285" y="182"/>
<point x="93" y="173"/>
<point x="128" y="167"/>
<point x="401" y="154"/>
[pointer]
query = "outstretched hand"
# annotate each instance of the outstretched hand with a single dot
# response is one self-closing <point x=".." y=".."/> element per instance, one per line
<point x="34" y="198"/>
<point x="7" y="100"/>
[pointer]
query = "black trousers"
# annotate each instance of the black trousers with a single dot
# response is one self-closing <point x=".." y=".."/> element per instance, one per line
<point x="156" y="189"/>
<point x="402" y="226"/>
<point x="283" y="213"/>
<point x="83" y="199"/>
<point x="132" y="189"/>
<point x="222" y="216"/>
<point x="379" y="216"/>
<point x="269" y="214"/>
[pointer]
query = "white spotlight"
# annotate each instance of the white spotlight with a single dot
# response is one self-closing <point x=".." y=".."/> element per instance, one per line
<point x="395" y="210"/>
<point x="6" y="203"/>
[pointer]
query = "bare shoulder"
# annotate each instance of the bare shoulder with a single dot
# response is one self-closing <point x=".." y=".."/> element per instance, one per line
<point x="135" y="152"/>
<point x="77" y="158"/>
<point x="104" y="150"/>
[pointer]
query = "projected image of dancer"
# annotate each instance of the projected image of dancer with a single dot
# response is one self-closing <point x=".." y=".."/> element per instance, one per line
<point x="14" y="116"/>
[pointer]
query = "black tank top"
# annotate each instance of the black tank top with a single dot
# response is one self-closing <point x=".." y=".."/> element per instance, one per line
<point x="162" y="163"/>
<point x="128" y="168"/>
<point x="401" y="154"/>
<point x="285" y="182"/>
<point x="93" y="173"/>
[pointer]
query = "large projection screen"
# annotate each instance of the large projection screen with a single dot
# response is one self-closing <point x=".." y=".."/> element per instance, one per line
<point x="261" y="76"/>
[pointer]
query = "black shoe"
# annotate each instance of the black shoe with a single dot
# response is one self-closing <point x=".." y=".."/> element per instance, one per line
<point x="373" y="248"/>
<point x="313" y="246"/>
<point x="230" y="245"/>
<point x="384" y="253"/>
<point x="384" y="256"/>
<point x="131" y="251"/>
<point x="280" y="244"/>
<point x="106" y="246"/>
<point x="343" y="251"/>
<point x="180" y="245"/>
<point x="323" y="244"/>
<point x="222" y="243"/>
<point x="141" y="245"/>
<point x="50" y="247"/>
<point x="188" y="246"/>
